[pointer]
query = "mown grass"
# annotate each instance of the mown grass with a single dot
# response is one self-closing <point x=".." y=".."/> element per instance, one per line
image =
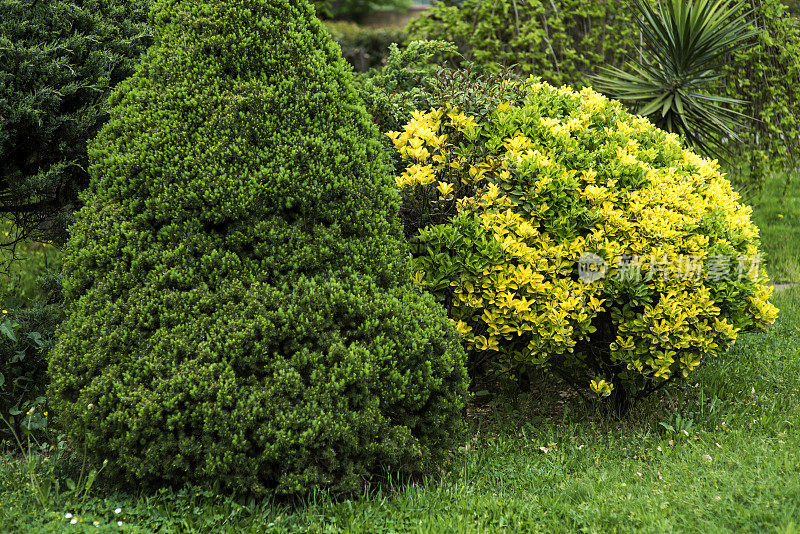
<point x="777" y="215"/>
<point x="721" y="456"/>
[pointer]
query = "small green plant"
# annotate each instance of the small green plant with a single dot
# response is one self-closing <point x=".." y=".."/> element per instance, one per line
<point x="28" y="321"/>
<point x="18" y="372"/>
<point x="42" y="460"/>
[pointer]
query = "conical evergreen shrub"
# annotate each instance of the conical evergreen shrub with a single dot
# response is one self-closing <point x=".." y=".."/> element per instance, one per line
<point x="238" y="304"/>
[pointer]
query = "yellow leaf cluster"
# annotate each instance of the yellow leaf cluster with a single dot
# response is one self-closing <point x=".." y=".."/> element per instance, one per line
<point x="565" y="174"/>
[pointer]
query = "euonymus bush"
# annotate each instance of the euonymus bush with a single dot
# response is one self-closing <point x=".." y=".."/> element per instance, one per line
<point x="562" y="232"/>
<point x="239" y="305"/>
<point x="560" y="41"/>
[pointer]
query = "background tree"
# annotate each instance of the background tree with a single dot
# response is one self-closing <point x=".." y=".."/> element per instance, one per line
<point x="561" y="41"/>
<point x="766" y="75"/>
<point x="354" y="9"/>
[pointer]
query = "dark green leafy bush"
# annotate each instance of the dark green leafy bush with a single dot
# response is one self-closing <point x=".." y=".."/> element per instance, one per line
<point x="767" y="75"/>
<point x="58" y="61"/>
<point x="364" y="47"/>
<point x="417" y="77"/>
<point x="406" y="83"/>
<point x="560" y="41"/>
<point x="354" y="9"/>
<point x="30" y="296"/>
<point x="239" y="310"/>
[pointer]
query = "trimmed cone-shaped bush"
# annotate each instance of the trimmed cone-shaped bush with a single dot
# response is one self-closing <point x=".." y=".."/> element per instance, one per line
<point x="238" y="304"/>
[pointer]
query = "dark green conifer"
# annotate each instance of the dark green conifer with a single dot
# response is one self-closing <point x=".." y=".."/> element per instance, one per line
<point x="59" y="59"/>
<point x="239" y="305"/>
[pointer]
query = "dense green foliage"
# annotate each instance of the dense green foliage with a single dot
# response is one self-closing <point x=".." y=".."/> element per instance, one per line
<point x="767" y="76"/>
<point x="363" y="47"/>
<point x="239" y="305"/>
<point x="354" y="9"/>
<point x="685" y="45"/>
<point x="58" y="61"/>
<point x="560" y="41"/>
<point x="27" y="333"/>
<point x="406" y="83"/>
<point x="30" y="295"/>
<point x="567" y="234"/>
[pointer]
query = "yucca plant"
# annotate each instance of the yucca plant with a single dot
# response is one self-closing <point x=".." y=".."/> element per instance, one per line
<point x="683" y="45"/>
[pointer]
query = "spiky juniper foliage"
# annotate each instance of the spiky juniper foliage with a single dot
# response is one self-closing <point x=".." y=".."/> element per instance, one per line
<point x="237" y="284"/>
<point x="59" y="60"/>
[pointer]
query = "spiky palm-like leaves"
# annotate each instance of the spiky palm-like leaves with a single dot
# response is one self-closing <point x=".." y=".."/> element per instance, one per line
<point x="684" y="43"/>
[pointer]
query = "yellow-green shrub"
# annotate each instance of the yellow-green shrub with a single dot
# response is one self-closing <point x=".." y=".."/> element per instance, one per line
<point x="518" y="201"/>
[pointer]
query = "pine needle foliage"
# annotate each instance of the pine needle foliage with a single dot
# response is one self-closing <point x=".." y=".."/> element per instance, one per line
<point x="59" y="59"/>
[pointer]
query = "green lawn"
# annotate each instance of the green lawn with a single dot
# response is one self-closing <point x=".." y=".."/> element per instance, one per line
<point x="778" y="218"/>
<point x="722" y="457"/>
